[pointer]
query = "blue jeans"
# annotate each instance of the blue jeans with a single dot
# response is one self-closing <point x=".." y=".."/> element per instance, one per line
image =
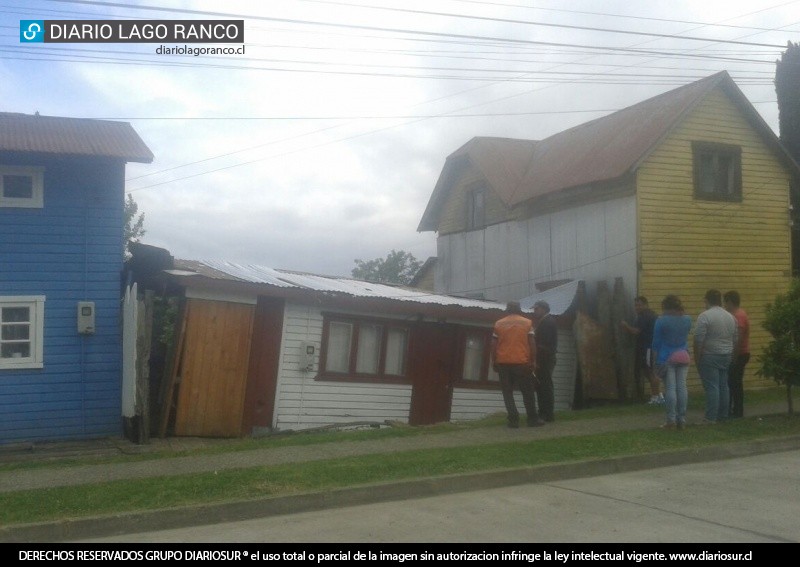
<point x="713" y="370"/>
<point x="676" y="396"/>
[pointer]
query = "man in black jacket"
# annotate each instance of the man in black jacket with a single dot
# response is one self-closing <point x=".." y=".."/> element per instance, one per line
<point x="546" y="347"/>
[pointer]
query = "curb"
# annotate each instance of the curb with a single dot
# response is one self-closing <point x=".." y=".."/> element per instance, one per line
<point x="137" y="522"/>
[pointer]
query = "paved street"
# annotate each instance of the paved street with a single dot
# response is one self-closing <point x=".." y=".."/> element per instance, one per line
<point x="749" y="499"/>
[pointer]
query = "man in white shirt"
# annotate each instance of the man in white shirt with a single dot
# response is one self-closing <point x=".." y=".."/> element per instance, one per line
<point x="715" y="335"/>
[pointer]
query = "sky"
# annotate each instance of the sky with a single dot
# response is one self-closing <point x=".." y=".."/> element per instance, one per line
<point x="321" y="144"/>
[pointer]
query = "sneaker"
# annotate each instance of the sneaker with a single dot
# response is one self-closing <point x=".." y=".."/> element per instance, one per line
<point x="668" y="425"/>
<point x="660" y="399"/>
<point x="654" y="400"/>
<point x="705" y="421"/>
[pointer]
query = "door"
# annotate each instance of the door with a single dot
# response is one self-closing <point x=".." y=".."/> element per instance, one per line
<point x="432" y="354"/>
<point x="214" y="369"/>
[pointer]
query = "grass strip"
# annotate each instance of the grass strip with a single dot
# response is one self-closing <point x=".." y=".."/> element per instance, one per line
<point x="165" y="492"/>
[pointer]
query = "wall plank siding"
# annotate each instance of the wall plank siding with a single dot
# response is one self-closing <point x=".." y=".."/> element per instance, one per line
<point x="69" y="250"/>
<point x="687" y="246"/>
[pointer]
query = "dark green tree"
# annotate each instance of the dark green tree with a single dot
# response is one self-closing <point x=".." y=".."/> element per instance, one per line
<point x="787" y="87"/>
<point x="134" y="224"/>
<point x="398" y="267"/>
<point x="781" y="359"/>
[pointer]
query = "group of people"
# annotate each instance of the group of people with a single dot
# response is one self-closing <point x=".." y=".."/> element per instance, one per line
<point x="721" y="352"/>
<point x="524" y="355"/>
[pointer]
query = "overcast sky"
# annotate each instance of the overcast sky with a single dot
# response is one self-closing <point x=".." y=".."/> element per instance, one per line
<point x="322" y="143"/>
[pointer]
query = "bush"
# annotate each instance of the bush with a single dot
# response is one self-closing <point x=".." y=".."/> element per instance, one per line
<point x="781" y="359"/>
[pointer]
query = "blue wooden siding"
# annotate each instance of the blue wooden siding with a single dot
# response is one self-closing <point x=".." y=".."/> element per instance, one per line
<point x="68" y="251"/>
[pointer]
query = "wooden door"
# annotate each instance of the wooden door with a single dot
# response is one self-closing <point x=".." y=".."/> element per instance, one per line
<point x="432" y="352"/>
<point x="214" y="366"/>
<point x="265" y="351"/>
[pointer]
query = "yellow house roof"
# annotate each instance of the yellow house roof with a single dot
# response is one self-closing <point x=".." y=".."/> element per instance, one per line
<point x="604" y="149"/>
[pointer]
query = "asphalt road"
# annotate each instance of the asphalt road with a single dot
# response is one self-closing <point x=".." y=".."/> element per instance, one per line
<point x="750" y="499"/>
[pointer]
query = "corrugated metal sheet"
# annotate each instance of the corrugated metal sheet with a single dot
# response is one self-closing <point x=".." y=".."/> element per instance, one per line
<point x="71" y="136"/>
<point x="330" y="284"/>
<point x="560" y="298"/>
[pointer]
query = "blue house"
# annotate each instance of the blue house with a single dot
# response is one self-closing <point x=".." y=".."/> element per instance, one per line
<point x="61" y="253"/>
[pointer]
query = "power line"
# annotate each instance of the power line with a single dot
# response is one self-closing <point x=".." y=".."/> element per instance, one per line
<point x="543" y="24"/>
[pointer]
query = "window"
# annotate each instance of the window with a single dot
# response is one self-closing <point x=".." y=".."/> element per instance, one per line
<point x="21" y="332"/>
<point x="21" y="186"/>
<point x="361" y="348"/>
<point x="476" y="208"/>
<point x="476" y="368"/>
<point x="717" y="171"/>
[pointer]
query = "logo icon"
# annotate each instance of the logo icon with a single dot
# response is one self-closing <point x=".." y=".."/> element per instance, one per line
<point x="31" y="31"/>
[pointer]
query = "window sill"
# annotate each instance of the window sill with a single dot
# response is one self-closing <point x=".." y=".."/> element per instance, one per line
<point x="361" y="379"/>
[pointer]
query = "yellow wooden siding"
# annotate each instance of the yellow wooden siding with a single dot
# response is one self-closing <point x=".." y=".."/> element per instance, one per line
<point x="454" y="211"/>
<point x="687" y="246"/>
<point x="214" y="369"/>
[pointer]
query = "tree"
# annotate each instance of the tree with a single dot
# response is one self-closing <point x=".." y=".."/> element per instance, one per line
<point x="781" y="359"/>
<point x="134" y="225"/>
<point x="398" y="267"/>
<point x="787" y="87"/>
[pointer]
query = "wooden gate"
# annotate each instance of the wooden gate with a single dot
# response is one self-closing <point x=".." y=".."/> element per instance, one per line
<point x="213" y="368"/>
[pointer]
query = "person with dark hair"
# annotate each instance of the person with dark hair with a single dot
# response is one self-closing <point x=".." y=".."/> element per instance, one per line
<point x="546" y="347"/>
<point x="741" y="352"/>
<point x="714" y="338"/>
<point x="671" y="349"/>
<point x="514" y="357"/>
<point x="643" y="365"/>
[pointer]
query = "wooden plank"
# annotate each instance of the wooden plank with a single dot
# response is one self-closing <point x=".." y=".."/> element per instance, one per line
<point x="214" y="369"/>
<point x="169" y="381"/>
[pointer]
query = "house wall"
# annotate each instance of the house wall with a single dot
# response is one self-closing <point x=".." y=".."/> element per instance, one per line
<point x="688" y="246"/>
<point x="592" y="242"/>
<point x="472" y="403"/>
<point x="303" y="402"/>
<point x="70" y="250"/>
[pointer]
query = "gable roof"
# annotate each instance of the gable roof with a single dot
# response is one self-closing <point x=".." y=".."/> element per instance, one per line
<point x="71" y="136"/>
<point x="601" y="150"/>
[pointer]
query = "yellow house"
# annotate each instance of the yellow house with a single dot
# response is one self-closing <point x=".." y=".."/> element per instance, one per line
<point x="680" y="193"/>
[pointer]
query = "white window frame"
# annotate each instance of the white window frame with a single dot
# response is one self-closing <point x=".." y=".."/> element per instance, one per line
<point x="36" y="201"/>
<point x="36" y="305"/>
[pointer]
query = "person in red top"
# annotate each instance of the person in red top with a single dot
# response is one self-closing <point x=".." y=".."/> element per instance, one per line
<point x="741" y="353"/>
<point x="514" y="358"/>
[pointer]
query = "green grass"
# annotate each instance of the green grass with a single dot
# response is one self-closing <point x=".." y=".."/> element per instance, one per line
<point x="604" y="410"/>
<point x="165" y="492"/>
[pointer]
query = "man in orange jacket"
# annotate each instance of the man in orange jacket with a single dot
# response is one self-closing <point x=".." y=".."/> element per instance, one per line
<point x="514" y="358"/>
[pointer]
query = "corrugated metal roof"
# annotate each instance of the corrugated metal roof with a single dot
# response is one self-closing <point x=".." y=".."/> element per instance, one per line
<point x="604" y="149"/>
<point x="559" y="298"/>
<point x="223" y="270"/>
<point x="71" y="136"/>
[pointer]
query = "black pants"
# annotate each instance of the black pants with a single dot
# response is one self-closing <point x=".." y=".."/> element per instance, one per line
<point x="544" y="387"/>
<point x="518" y="375"/>
<point x="736" y="384"/>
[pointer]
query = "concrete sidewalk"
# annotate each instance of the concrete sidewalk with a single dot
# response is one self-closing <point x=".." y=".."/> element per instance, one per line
<point x="11" y="481"/>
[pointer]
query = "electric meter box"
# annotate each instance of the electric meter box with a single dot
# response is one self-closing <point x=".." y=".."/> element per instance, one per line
<point x="307" y="351"/>
<point x="86" y="317"/>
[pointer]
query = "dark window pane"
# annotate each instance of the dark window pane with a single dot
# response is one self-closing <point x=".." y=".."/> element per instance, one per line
<point x="18" y="186"/>
<point x="16" y="315"/>
<point x="15" y="350"/>
<point x="16" y="332"/>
